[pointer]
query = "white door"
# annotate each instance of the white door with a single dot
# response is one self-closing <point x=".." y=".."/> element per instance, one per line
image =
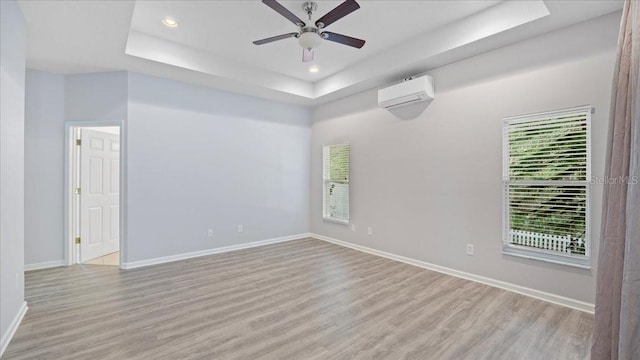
<point x="99" y="194"/>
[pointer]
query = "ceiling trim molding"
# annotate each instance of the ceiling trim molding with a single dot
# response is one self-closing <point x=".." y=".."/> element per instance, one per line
<point x="167" y="52"/>
<point x="440" y="43"/>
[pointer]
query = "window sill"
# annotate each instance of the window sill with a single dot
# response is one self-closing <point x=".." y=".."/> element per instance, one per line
<point x="581" y="263"/>
<point x="336" y="220"/>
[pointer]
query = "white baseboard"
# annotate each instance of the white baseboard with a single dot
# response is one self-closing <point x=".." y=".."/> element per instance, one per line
<point x="184" y="256"/>
<point x="44" y="265"/>
<point x="6" y="338"/>
<point x="541" y="295"/>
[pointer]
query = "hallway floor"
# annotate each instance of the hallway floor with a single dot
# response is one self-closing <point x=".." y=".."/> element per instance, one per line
<point x="109" y="259"/>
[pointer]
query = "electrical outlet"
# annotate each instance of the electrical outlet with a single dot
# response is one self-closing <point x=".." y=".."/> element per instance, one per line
<point x="210" y="233"/>
<point x="369" y="231"/>
<point x="469" y="249"/>
<point x="240" y="228"/>
<point x="353" y="227"/>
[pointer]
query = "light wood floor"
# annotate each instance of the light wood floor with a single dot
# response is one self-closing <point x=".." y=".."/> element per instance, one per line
<point x="109" y="259"/>
<point x="298" y="300"/>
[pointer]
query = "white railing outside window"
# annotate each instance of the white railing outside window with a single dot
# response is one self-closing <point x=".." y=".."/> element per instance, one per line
<point x="544" y="241"/>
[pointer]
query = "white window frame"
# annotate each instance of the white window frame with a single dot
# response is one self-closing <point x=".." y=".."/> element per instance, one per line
<point x="326" y="213"/>
<point x="509" y="248"/>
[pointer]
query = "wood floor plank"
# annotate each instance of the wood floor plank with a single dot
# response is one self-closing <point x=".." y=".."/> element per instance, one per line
<point x="304" y="299"/>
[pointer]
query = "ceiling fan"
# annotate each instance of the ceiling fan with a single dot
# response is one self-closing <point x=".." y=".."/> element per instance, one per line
<point x="309" y="36"/>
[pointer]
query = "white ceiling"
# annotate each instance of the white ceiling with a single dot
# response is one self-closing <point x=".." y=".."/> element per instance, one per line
<point x="227" y="28"/>
<point x="212" y="45"/>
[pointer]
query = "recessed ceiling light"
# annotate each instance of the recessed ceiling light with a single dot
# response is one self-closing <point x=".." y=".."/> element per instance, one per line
<point x="314" y="69"/>
<point x="170" y="22"/>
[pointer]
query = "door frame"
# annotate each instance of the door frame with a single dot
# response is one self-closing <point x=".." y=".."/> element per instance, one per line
<point x="69" y="148"/>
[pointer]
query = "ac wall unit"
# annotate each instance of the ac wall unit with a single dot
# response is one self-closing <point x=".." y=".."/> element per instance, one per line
<point x="407" y="92"/>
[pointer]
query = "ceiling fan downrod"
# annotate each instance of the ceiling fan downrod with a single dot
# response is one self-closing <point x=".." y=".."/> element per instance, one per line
<point x="309" y="7"/>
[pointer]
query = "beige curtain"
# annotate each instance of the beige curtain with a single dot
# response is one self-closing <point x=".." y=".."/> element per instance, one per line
<point x="617" y="318"/>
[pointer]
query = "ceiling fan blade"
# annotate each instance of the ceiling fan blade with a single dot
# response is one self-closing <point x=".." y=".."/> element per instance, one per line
<point x="337" y="13"/>
<point x="307" y="55"/>
<point x="343" y="39"/>
<point x="284" y="12"/>
<point x="275" y="38"/>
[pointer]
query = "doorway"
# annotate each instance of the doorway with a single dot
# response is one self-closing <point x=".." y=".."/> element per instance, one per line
<point x="94" y="179"/>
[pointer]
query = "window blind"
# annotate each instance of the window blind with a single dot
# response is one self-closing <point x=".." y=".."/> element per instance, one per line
<point x="546" y="180"/>
<point x="335" y="159"/>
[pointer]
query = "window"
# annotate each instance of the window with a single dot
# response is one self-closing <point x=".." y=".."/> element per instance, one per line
<point x="547" y="176"/>
<point x="335" y="176"/>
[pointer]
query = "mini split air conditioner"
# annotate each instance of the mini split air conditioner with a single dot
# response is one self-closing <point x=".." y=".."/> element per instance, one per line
<point x="407" y="92"/>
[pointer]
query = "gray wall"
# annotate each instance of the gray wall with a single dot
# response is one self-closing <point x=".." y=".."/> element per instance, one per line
<point x="12" y="84"/>
<point x="96" y="97"/>
<point x="198" y="159"/>
<point x="44" y="167"/>
<point x="432" y="184"/>
<point x="52" y="99"/>
<point x="204" y="159"/>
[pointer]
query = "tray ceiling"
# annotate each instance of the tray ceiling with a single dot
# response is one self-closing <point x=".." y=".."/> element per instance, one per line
<point x="212" y="44"/>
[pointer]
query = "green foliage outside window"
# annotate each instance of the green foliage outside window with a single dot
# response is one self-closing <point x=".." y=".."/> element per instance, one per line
<point x="554" y="152"/>
<point x="339" y="157"/>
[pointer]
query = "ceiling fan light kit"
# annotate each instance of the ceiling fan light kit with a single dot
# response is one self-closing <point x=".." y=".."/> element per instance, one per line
<point x="310" y="37"/>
